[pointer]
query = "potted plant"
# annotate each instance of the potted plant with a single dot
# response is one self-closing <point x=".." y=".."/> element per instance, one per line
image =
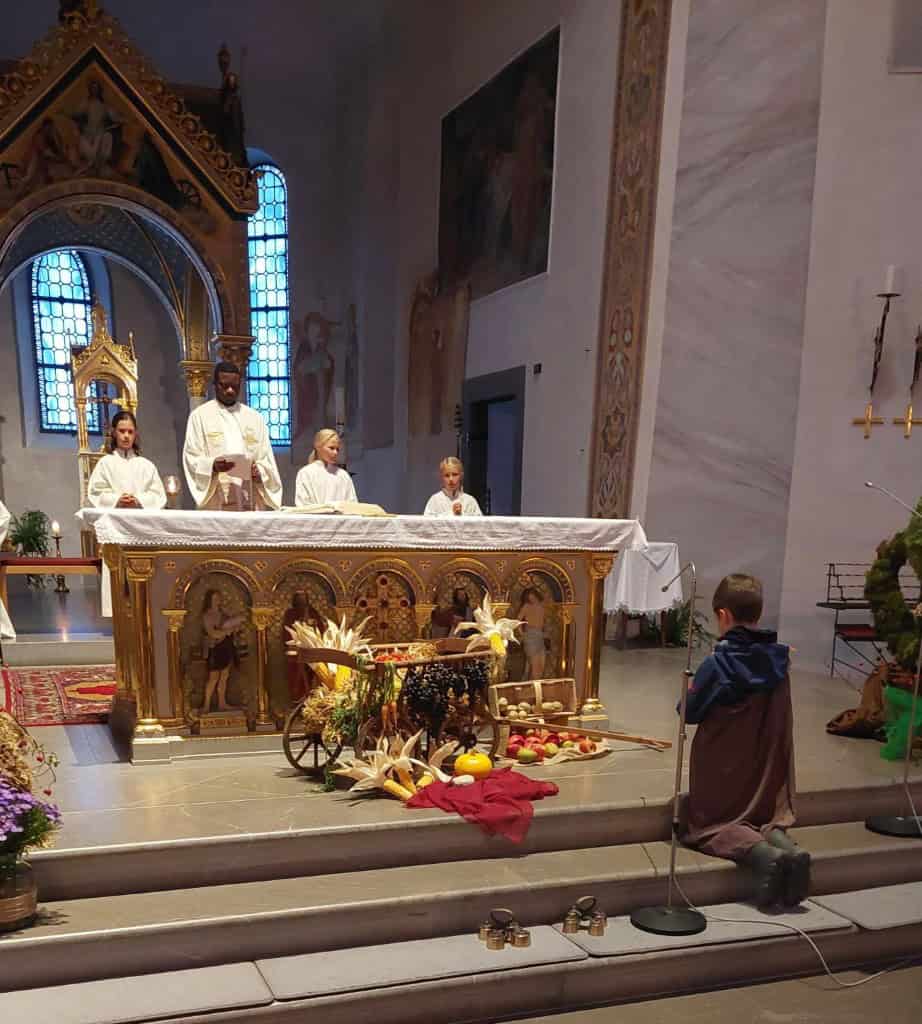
<point x="27" y="821"/>
<point x="29" y="537"/>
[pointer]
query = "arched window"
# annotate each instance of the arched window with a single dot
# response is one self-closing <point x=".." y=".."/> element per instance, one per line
<point x="61" y="301"/>
<point x="268" y="386"/>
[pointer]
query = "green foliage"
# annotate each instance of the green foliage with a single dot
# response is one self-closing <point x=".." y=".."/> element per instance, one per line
<point x="677" y="620"/>
<point x="30" y="534"/>
<point x="893" y="618"/>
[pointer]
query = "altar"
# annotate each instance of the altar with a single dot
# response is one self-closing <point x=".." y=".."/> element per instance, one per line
<point x="397" y="571"/>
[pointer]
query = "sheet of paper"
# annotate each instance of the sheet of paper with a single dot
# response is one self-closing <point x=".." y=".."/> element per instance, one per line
<point x="236" y="484"/>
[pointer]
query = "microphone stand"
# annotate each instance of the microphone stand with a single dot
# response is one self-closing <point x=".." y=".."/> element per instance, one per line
<point x="669" y="919"/>
<point x="904" y="826"/>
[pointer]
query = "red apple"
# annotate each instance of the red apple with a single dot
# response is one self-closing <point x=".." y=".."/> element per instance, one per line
<point x="517" y="737"/>
<point x="539" y="749"/>
<point x="586" y="746"/>
<point x="513" y="750"/>
<point x="562" y="736"/>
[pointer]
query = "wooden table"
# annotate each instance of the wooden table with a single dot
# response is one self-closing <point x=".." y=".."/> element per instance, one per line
<point x="13" y="565"/>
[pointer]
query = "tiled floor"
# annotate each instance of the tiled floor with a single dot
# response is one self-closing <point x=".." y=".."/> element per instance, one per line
<point x="106" y="800"/>
<point x="894" y="998"/>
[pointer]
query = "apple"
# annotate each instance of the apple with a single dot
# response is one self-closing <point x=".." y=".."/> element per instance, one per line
<point x="586" y="746"/>
<point x="517" y="737"/>
<point x="527" y="755"/>
<point x="567" y="744"/>
<point x="513" y="750"/>
<point x="553" y="738"/>
<point x="563" y="736"/>
<point x="531" y="732"/>
<point x="550" y="749"/>
<point x="539" y="749"/>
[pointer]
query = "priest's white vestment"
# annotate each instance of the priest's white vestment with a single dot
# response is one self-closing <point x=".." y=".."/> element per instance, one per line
<point x="214" y="430"/>
<point x="116" y="474"/>
<point x="318" y="484"/>
<point x="6" y="623"/>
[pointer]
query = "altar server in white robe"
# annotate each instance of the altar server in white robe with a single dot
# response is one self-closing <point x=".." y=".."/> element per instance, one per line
<point x="123" y="478"/>
<point x="451" y="499"/>
<point x="226" y="427"/>
<point x="322" y="481"/>
<point x="6" y="623"/>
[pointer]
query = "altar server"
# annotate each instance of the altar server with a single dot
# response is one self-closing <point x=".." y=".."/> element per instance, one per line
<point x="123" y="478"/>
<point x="451" y="499"/>
<point x="6" y="624"/>
<point x="226" y="427"/>
<point x="322" y="481"/>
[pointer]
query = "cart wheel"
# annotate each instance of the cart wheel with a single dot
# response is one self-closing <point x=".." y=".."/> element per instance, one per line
<point x="370" y="732"/>
<point x="307" y="751"/>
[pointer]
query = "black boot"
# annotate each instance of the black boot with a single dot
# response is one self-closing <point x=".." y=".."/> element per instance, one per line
<point x="796" y="884"/>
<point x="768" y="867"/>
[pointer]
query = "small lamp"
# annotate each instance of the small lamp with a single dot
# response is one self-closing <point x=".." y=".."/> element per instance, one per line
<point x="171" y="486"/>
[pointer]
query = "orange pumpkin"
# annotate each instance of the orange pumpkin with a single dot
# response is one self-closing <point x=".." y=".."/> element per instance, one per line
<point x="473" y="762"/>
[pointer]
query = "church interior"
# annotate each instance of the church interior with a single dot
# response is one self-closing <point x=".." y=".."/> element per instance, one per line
<point x="390" y="386"/>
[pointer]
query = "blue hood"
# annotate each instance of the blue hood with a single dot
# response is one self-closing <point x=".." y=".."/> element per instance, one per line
<point x="744" y="661"/>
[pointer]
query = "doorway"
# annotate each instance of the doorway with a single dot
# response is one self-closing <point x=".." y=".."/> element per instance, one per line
<point x="494" y="414"/>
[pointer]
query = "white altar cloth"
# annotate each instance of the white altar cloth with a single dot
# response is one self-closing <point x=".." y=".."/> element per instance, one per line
<point x="169" y="528"/>
<point x="635" y="584"/>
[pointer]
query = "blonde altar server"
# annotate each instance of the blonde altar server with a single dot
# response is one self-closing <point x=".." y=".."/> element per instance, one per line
<point x="322" y="481"/>
<point x="6" y="623"/>
<point x="451" y="499"/>
<point x="123" y="478"/>
<point x="226" y="427"/>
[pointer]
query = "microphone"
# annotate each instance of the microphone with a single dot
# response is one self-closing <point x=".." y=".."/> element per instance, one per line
<point x="890" y="494"/>
<point x="689" y="566"/>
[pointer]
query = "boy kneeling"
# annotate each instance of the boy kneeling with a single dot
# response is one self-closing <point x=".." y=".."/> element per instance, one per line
<point x="741" y="787"/>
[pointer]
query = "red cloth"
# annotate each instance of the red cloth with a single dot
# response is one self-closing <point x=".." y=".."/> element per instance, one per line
<point x="500" y="803"/>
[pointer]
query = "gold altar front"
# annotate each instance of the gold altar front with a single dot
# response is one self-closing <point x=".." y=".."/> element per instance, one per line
<point x="159" y="597"/>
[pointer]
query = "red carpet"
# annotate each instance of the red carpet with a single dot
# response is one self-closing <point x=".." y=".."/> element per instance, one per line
<point x="59" y="696"/>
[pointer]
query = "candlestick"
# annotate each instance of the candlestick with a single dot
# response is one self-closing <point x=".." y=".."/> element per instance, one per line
<point x="55" y="529"/>
<point x="869" y="420"/>
<point x="171" y="486"/>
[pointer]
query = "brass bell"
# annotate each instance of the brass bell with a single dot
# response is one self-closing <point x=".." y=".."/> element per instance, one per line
<point x="571" y="922"/>
<point x="597" y="923"/>
<point x="521" y="939"/>
<point x="496" y="938"/>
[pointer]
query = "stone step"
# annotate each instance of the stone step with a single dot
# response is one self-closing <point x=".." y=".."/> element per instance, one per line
<point x="171" y="848"/>
<point x="453" y="979"/>
<point x="100" y="937"/>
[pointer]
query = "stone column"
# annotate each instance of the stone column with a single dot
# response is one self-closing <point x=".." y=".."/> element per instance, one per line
<point x="598" y="567"/>
<point x="198" y="373"/>
<point x="262" y="617"/>
<point x="423" y="617"/>
<point x="566" y="640"/>
<point x="175" y="618"/>
<point x="139" y="573"/>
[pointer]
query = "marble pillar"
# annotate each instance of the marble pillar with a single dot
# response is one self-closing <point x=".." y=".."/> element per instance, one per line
<point x="727" y="401"/>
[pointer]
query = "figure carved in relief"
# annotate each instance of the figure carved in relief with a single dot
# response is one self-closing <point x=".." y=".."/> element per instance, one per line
<point x="534" y="642"/>
<point x="312" y="372"/>
<point x="100" y="129"/>
<point x="218" y="636"/>
<point x="231" y="132"/>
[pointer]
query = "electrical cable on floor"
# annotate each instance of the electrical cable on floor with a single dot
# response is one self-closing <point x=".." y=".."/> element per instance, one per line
<point x="802" y="934"/>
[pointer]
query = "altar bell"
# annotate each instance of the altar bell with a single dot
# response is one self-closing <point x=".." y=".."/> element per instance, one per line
<point x="451" y="499"/>
<point x="741" y="771"/>
<point x="123" y="478"/>
<point x="322" y="481"/>
<point x="226" y="427"/>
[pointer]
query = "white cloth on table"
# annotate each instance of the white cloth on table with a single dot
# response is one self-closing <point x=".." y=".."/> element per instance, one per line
<point x="6" y="623"/>
<point x="116" y="474"/>
<point x="146" y="528"/>
<point x="635" y="583"/>
<point x="318" y="484"/>
<point x="214" y="430"/>
<point x="442" y="504"/>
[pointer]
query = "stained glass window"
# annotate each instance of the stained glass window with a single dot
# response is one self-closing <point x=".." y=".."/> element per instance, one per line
<point x="268" y="384"/>
<point x="61" y="301"/>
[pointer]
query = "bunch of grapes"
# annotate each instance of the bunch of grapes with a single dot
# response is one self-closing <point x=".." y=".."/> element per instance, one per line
<point x="425" y="695"/>
<point x="477" y="677"/>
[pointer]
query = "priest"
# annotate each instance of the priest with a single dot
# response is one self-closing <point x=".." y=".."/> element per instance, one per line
<point x="216" y="432"/>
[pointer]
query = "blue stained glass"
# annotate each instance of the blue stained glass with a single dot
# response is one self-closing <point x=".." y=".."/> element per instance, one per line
<point x="267" y="379"/>
<point x="61" y="300"/>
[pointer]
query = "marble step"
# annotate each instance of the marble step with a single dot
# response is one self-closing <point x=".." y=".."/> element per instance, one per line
<point x="84" y="939"/>
<point x="454" y="979"/>
<point x="188" y="845"/>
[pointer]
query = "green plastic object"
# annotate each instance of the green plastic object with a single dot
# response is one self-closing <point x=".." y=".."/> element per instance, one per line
<point x="898" y="705"/>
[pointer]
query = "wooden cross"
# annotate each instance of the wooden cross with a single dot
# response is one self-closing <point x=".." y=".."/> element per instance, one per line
<point x="868" y="420"/>
<point x="906" y="421"/>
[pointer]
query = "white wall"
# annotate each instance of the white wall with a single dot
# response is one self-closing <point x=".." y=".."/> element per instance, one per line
<point x="726" y="401"/>
<point x="867" y="213"/>
<point x="552" y="319"/>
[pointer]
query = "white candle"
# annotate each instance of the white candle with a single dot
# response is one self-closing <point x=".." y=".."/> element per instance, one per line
<point x="340" y="406"/>
<point x="890" y="284"/>
<point x="55" y="528"/>
<point x="171" y="485"/>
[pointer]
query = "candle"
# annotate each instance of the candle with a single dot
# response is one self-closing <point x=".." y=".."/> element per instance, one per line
<point x="890" y="283"/>
<point x="340" y="407"/>
<point x="171" y="485"/>
<point x="55" y="528"/>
